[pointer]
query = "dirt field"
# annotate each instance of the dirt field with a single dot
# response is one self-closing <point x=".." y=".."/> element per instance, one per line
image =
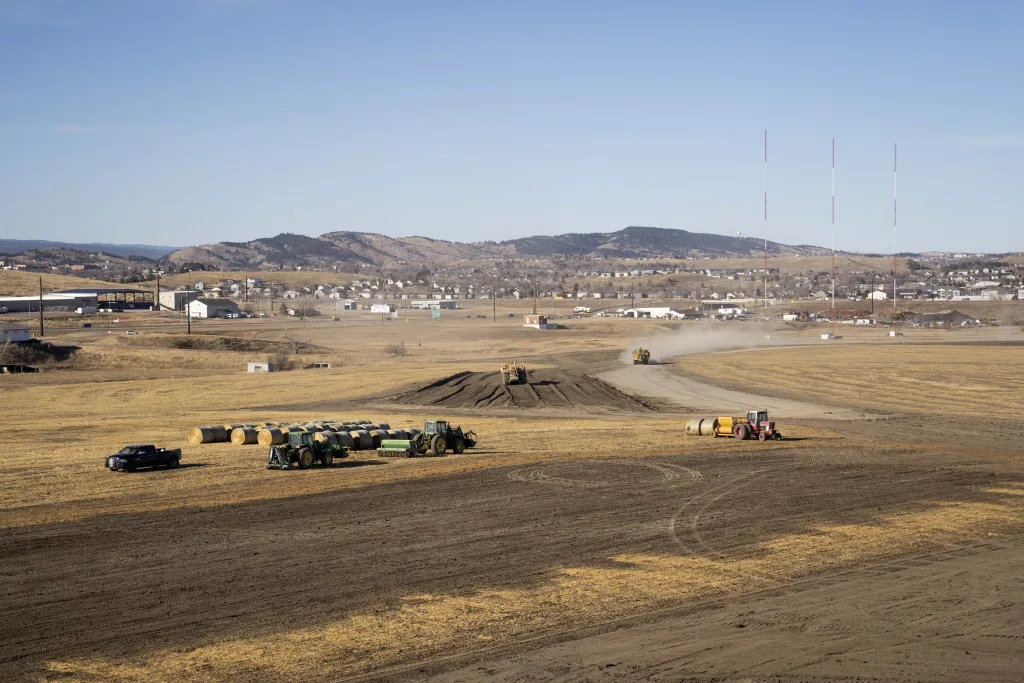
<point x="585" y="539"/>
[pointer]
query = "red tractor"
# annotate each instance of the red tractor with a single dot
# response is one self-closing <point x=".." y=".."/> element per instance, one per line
<point x="756" y="426"/>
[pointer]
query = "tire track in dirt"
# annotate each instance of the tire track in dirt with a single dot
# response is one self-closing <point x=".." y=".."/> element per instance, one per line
<point x="539" y="474"/>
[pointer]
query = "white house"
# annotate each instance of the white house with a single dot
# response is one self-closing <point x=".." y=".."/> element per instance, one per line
<point x="211" y="308"/>
<point x="877" y="295"/>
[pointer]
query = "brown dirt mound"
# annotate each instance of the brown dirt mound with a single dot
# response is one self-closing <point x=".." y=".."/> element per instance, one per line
<point x="546" y="389"/>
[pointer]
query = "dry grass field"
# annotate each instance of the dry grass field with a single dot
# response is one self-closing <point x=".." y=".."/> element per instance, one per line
<point x="567" y="525"/>
<point x="18" y="283"/>
<point x="973" y="379"/>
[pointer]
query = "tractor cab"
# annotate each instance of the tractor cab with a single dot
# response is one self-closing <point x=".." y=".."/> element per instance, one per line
<point x="299" y="439"/>
<point x="432" y="427"/>
<point x="757" y="416"/>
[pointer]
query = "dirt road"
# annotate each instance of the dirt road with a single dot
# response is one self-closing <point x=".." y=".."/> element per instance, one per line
<point x="666" y="383"/>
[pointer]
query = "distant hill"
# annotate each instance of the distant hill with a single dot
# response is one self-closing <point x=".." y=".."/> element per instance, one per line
<point x="146" y="250"/>
<point x="291" y="250"/>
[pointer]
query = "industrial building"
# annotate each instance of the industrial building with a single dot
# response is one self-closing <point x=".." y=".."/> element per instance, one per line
<point x="176" y="300"/>
<point x="434" y="304"/>
<point x="212" y="308"/>
<point x="50" y="302"/>
<point x="113" y="298"/>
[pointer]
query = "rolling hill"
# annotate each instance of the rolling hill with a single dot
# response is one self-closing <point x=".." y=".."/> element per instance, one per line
<point x="290" y="250"/>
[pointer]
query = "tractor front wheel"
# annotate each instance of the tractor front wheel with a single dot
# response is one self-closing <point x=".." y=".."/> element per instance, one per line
<point x="327" y="458"/>
<point x="459" y="446"/>
<point x="305" y="458"/>
<point x="762" y="436"/>
<point x="437" y="445"/>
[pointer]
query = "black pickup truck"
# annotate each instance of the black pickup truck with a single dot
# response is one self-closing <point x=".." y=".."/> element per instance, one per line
<point x="131" y="458"/>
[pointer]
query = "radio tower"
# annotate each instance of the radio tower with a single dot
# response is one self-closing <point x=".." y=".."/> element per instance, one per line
<point x="766" y="225"/>
<point x="833" y="238"/>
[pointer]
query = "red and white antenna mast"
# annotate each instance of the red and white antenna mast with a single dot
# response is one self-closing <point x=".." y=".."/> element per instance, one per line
<point x="894" y="226"/>
<point x="833" y="238"/>
<point x="766" y="225"/>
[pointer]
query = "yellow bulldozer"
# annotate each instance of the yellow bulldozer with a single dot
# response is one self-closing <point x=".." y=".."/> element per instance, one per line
<point x="641" y="356"/>
<point x="513" y="373"/>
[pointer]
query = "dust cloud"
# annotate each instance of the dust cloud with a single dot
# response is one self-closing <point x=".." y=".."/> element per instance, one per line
<point x="706" y="338"/>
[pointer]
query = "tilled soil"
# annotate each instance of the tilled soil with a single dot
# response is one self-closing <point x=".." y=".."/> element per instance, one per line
<point x="122" y="587"/>
<point x="546" y="389"/>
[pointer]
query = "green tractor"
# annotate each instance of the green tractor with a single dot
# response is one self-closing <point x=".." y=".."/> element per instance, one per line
<point x="441" y="436"/>
<point x="437" y="437"/>
<point x="303" y="451"/>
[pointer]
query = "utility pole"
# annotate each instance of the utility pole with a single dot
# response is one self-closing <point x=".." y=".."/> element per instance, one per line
<point x="157" y="302"/>
<point x="42" y="332"/>
<point x="188" y="305"/>
<point x="494" y="305"/>
<point x="535" y="298"/>
<point x="245" y="286"/>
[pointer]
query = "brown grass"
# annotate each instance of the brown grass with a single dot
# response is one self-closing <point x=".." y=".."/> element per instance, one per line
<point x="18" y="283"/>
<point x="934" y="378"/>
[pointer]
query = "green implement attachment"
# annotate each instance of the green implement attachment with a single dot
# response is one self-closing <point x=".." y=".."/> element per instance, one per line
<point x="398" y="448"/>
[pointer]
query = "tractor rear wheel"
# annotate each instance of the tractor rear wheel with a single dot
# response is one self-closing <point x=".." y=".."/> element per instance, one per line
<point x="459" y="446"/>
<point x="741" y="432"/>
<point x="437" y="445"/>
<point x="327" y="459"/>
<point x="305" y="458"/>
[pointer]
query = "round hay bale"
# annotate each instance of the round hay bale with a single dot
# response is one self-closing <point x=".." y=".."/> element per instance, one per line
<point x="400" y="434"/>
<point x="244" y="436"/>
<point x="392" y="433"/>
<point x="693" y="428"/>
<point x="361" y="440"/>
<point x="383" y="425"/>
<point x="324" y="436"/>
<point x="708" y="426"/>
<point x="272" y="436"/>
<point x="345" y="439"/>
<point x="207" y="434"/>
<point x="378" y="435"/>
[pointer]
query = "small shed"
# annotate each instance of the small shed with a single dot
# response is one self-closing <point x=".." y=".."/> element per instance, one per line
<point x="13" y="333"/>
<point x="537" y="322"/>
<point x="261" y="367"/>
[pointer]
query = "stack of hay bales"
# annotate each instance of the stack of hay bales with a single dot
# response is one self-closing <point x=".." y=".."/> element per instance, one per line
<point x="355" y="434"/>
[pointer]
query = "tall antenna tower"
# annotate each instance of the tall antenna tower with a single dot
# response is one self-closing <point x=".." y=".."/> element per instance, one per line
<point x="766" y="225"/>
<point x="894" y="226"/>
<point x="833" y="238"/>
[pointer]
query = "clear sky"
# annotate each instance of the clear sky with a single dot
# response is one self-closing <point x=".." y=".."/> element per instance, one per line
<point x="191" y="121"/>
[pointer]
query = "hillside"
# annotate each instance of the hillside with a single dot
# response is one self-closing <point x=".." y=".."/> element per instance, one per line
<point x="18" y="283"/>
<point x="8" y="246"/>
<point x="334" y="248"/>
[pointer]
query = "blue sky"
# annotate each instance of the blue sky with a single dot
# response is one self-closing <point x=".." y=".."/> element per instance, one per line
<point x="193" y="121"/>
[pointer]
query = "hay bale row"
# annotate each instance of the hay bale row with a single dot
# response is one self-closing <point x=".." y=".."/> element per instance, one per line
<point x="242" y="436"/>
<point x="207" y="434"/>
<point x="357" y="435"/>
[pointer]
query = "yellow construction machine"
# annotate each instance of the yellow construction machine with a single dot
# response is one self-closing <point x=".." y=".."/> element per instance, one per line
<point x="513" y="373"/>
<point x="641" y="356"/>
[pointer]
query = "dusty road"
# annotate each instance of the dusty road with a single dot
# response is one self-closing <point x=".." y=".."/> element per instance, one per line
<point x="664" y="382"/>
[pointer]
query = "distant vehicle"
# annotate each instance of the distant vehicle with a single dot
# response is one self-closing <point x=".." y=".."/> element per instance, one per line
<point x="3" y="309"/>
<point x="130" y="458"/>
<point x="130" y="332"/>
<point x="262" y="315"/>
<point x="511" y="315"/>
<point x="581" y="309"/>
<point x="86" y="324"/>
